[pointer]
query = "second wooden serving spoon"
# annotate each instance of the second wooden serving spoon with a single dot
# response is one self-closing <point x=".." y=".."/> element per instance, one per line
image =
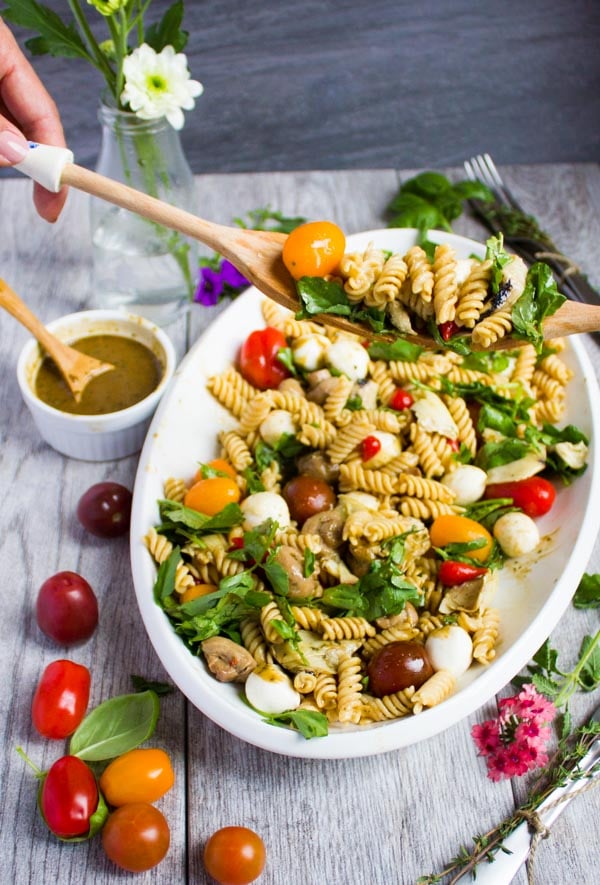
<point x="76" y="368"/>
<point x="256" y="254"/>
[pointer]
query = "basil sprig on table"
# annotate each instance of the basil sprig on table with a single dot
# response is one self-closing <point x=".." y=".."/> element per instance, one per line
<point x="116" y="726"/>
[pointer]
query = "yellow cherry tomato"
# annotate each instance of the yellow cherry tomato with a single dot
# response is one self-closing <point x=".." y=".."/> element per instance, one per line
<point x="209" y="496"/>
<point x="197" y="590"/>
<point x="142" y="775"/>
<point x="314" y="249"/>
<point x="450" y="529"/>
<point x="219" y="464"/>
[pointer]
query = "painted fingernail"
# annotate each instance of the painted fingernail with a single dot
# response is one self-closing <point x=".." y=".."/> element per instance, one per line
<point x="13" y="147"/>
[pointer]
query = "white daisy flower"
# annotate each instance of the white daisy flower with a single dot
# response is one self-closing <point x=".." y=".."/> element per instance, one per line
<point x="159" y="85"/>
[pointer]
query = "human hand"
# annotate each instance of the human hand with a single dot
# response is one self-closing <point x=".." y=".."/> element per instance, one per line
<point x="26" y="112"/>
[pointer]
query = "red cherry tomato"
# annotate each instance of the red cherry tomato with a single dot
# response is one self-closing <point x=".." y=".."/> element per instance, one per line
<point x="397" y="666"/>
<point x="369" y="447"/>
<point x="314" y="249"/>
<point x="401" y="400"/>
<point x="258" y="358"/>
<point x="234" y="856"/>
<point x="448" y="330"/>
<point x="136" y="837"/>
<point x="454" y="444"/>
<point x="451" y="572"/>
<point x="61" y="699"/>
<point x="534" y="496"/>
<point x="67" y="608"/>
<point x="69" y="797"/>
<point x="306" y="496"/>
<point x="105" y="509"/>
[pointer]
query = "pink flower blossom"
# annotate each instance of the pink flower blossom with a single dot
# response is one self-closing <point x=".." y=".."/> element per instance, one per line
<point x="515" y="741"/>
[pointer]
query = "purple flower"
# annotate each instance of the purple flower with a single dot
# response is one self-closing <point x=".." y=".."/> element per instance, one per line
<point x="214" y="284"/>
<point x="232" y="277"/>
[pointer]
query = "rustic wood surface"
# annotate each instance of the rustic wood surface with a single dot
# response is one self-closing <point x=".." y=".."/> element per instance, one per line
<point x="380" y="820"/>
<point x="342" y="84"/>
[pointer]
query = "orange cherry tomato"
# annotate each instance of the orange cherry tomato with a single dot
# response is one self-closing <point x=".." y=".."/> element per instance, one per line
<point x="314" y="249"/>
<point x="197" y="590"/>
<point x="209" y="496"/>
<point x="234" y="856"/>
<point x="450" y="529"/>
<point x="142" y="775"/>
<point x="219" y="464"/>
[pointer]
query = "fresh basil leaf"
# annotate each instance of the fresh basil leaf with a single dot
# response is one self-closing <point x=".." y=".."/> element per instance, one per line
<point x="321" y="296"/>
<point x="285" y="356"/>
<point x="344" y="596"/>
<point x="227" y="518"/>
<point x="253" y="481"/>
<point x="176" y="512"/>
<point x="277" y="577"/>
<point x="400" y="349"/>
<point x="587" y="594"/>
<point x="494" y="454"/>
<point x="473" y="190"/>
<point x="115" y="727"/>
<point x="269" y="219"/>
<point x="310" y="723"/>
<point x="486" y="361"/>
<point x="411" y="210"/>
<point x="309" y="563"/>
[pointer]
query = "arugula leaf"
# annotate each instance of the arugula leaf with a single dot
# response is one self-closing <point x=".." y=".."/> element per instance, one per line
<point x="493" y="361"/>
<point x="495" y="253"/>
<point x="310" y="723"/>
<point x="168" y="30"/>
<point x="286" y="358"/>
<point x="268" y="219"/>
<point x="56" y="38"/>
<point x="587" y="594"/>
<point x="165" y="579"/>
<point x="540" y="299"/>
<point x="309" y="563"/>
<point x="354" y="404"/>
<point x="321" y="296"/>
<point x="140" y="683"/>
<point x="395" y="350"/>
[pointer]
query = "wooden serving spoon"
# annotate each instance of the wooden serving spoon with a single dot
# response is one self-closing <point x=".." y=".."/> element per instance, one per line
<point x="256" y="254"/>
<point x="76" y="368"/>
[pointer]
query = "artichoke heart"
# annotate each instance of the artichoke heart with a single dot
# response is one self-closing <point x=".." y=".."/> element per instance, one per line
<point x="312" y="652"/>
<point x="471" y="596"/>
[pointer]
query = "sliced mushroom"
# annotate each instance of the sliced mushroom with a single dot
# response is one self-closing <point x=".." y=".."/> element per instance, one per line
<point x="226" y="660"/>
<point x="408" y="615"/>
<point x="319" y="393"/>
<point x="329" y="525"/>
<point x="300" y="586"/>
<point x="318" y="465"/>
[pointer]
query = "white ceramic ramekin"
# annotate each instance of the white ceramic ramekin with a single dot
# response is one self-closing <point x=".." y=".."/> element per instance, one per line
<point x="96" y="437"/>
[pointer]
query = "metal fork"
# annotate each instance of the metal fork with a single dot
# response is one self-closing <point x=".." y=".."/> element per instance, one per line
<point x="522" y="232"/>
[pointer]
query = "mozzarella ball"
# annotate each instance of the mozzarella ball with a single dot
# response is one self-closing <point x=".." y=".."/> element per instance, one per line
<point x="262" y="506"/>
<point x="390" y="449"/>
<point x="450" y="648"/>
<point x="467" y="482"/>
<point x="348" y="357"/>
<point x="270" y="690"/>
<point x="278" y="423"/>
<point x="516" y="533"/>
<point x="309" y="351"/>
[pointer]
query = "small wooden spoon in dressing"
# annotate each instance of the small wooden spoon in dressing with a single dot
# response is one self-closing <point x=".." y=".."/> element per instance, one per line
<point x="77" y="368"/>
<point x="258" y="256"/>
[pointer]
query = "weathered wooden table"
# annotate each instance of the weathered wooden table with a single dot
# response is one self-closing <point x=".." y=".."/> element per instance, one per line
<point x="380" y="820"/>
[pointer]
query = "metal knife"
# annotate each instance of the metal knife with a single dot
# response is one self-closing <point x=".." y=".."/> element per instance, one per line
<point x="504" y="867"/>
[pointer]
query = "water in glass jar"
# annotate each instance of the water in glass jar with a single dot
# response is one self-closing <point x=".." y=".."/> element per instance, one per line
<point x="136" y="266"/>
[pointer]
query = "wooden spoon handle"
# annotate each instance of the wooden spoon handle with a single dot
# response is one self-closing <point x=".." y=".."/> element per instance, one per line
<point x="213" y="235"/>
<point x="11" y="302"/>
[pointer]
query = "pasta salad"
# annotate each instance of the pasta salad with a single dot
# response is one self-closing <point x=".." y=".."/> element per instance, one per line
<point x="339" y="558"/>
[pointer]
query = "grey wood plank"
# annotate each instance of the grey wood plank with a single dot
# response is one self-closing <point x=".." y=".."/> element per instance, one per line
<point x="327" y="84"/>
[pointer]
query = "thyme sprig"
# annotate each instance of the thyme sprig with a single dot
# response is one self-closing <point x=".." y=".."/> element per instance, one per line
<point x="560" y="771"/>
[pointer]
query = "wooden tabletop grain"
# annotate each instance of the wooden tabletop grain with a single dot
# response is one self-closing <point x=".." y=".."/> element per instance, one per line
<point x="383" y="820"/>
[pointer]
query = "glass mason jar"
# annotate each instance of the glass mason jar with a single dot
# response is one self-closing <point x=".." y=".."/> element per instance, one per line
<point x="138" y="264"/>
